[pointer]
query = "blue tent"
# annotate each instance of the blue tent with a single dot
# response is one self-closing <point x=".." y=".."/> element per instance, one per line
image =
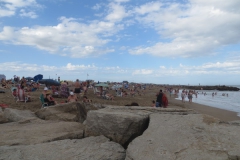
<point x="37" y="78"/>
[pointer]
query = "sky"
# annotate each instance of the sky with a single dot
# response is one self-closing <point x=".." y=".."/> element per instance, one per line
<point x="188" y="42"/>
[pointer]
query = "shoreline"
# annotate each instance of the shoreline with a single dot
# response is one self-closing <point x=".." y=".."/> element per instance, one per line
<point x="222" y="114"/>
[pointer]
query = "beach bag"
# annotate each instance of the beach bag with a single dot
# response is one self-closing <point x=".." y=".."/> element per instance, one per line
<point x="164" y="101"/>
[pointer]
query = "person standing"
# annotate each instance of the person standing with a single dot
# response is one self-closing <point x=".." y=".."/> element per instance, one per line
<point x="190" y="96"/>
<point x="159" y="99"/>
<point x="77" y="90"/>
<point x="183" y="95"/>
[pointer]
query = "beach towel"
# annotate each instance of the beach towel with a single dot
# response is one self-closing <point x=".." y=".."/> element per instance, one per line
<point x="3" y="106"/>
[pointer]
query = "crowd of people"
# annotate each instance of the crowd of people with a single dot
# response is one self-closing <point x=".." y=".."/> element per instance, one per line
<point x="78" y="91"/>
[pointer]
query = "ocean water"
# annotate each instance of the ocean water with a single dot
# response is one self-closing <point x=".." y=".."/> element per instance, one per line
<point x="230" y="102"/>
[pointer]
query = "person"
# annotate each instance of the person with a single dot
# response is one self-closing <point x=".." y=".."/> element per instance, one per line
<point x="49" y="99"/>
<point x="23" y="82"/>
<point x="153" y="103"/>
<point x="183" y="95"/>
<point x="72" y="97"/>
<point x="64" y="90"/>
<point x="159" y="99"/>
<point x="100" y="90"/>
<point x="190" y="96"/>
<point x="84" y="88"/>
<point x="132" y="92"/>
<point x="109" y="96"/>
<point x="85" y="99"/>
<point x="14" y="93"/>
<point x="45" y="90"/>
<point x="77" y="89"/>
<point x="4" y="83"/>
<point x="164" y="101"/>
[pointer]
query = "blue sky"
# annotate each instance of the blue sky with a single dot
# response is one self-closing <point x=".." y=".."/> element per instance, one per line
<point x="162" y="41"/>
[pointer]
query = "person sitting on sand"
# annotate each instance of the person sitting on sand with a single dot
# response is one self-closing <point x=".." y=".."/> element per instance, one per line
<point x="14" y="93"/>
<point x="49" y="99"/>
<point x="85" y="99"/>
<point x="153" y="103"/>
<point x="72" y="97"/>
<point x="109" y="96"/>
<point x="4" y="83"/>
<point x="132" y="92"/>
<point x="27" y="93"/>
<point x="45" y="90"/>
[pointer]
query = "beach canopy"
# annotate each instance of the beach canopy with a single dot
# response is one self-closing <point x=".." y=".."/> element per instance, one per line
<point x="101" y="84"/>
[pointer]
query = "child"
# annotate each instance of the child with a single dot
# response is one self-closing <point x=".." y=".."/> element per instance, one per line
<point x="153" y="104"/>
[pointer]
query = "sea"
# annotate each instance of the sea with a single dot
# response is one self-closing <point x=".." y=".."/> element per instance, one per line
<point x="230" y="102"/>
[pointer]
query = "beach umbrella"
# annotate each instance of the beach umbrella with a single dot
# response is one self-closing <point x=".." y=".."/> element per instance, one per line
<point x="49" y="82"/>
<point x="29" y="78"/>
<point x="101" y="84"/>
<point x="37" y="78"/>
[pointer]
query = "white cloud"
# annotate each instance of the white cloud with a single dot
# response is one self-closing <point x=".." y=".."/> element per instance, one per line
<point x="227" y="68"/>
<point x="148" y="8"/>
<point x="69" y="37"/>
<point x="193" y="29"/>
<point x="30" y="14"/>
<point x="97" y="6"/>
<point x="120" y="1"/>
<point x="142" y="71"/>
<point x="10" y="7"/>
<point x="116" y="12"/>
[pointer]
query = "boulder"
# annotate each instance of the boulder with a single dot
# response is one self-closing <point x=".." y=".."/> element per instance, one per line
<point x="3" y="119"/>
<point x="186" y="137"/>
<point x="91" y="148"/>
<point x="14" y="115"/>
<point x="120" y="124"/>
<point x="33" y="131"/>
<point x="65" y="112"/>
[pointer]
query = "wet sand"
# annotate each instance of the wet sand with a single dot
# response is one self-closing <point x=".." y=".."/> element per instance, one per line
<point x="221" y="114"/>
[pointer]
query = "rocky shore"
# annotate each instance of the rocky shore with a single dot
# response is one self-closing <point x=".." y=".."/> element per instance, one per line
<point x="79" y="131"/>
<point x="219" y="88"/>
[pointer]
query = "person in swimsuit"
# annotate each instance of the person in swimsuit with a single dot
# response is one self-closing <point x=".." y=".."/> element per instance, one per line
<point x="72" y="97"/>
<point x="77" y="89"/>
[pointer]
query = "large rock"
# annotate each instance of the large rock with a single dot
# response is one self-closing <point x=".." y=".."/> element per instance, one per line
<point x="3" y="119"/>
<point x="92" y="148"/>
<point x="186" y="137"/>
<point x="65" y="112"/>
<point x="120" y="124"/>
<point x="33" y="131"/>
<point x="14" y="115"/>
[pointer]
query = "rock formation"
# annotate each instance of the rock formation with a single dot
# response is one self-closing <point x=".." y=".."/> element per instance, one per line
<point x="186" y="137"/>
<point x="145" y="133"/>
<point x="91" y="148"/>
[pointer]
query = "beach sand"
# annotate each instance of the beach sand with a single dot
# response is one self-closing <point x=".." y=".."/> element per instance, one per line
<point x="143" y="99"/>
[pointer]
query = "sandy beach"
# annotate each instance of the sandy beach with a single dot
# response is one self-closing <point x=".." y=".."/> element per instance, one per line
<point x="144" y="98"/>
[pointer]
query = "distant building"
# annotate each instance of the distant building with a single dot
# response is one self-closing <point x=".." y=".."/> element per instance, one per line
<point x="2" y="76"/>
